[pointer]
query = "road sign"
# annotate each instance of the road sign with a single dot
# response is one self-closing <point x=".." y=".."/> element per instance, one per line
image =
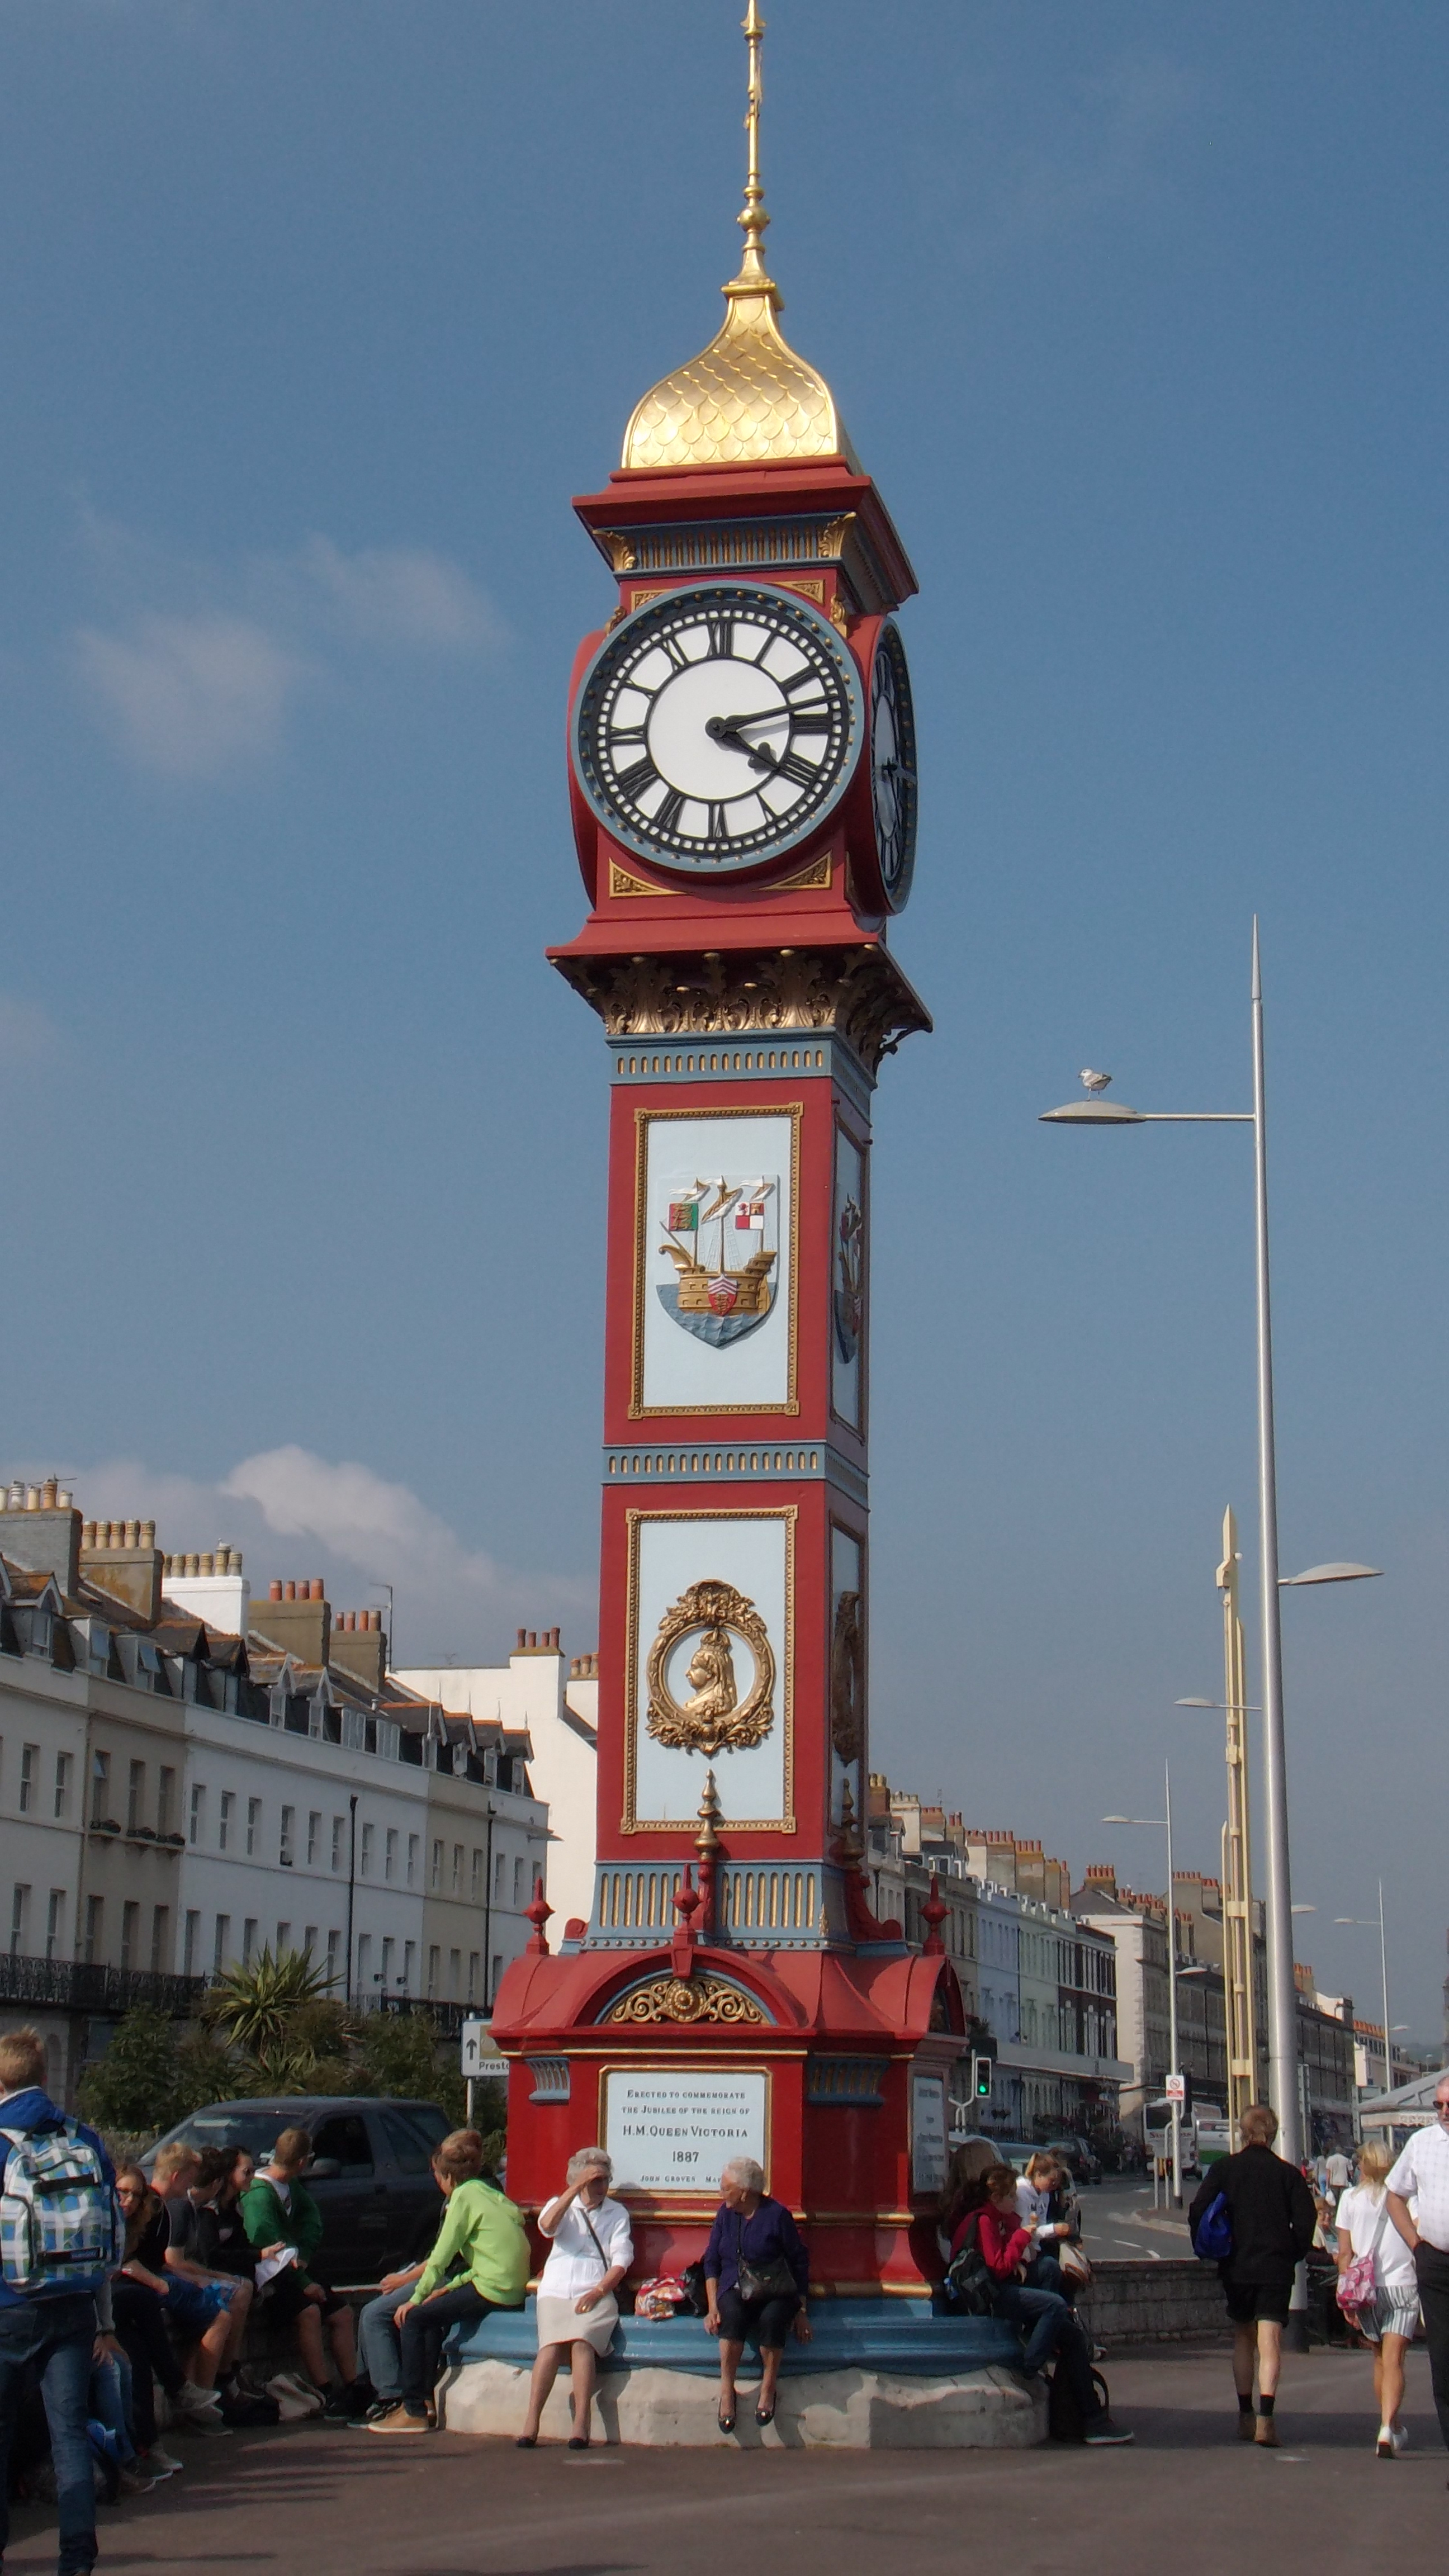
<point x="1176" y="2088"/>
<point x="480" y="2057"/>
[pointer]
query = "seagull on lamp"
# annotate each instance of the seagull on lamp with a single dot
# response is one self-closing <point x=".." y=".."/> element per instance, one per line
<point x="1095" y="1083"/>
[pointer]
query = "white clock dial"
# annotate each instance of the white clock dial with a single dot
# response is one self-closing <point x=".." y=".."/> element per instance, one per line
<point x="718" y="726"/>
<point x="893" y="766"/>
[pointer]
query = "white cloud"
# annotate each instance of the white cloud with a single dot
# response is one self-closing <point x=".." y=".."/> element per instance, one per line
<point x="200" y="666"/>
<point x="191" y="696"/>
<point x="297" y="1515"/>
<point x="402" y="595"/>
<point x="28" y="1035"/>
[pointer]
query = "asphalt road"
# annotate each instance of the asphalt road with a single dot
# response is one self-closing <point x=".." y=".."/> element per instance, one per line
<point x="1119" y="2222"/>
<point x="1188" y="2496"/>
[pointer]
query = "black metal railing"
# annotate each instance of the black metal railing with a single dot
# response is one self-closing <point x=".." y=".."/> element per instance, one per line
<point x="447" y="2018"/>
<point x="78" y="1985"/>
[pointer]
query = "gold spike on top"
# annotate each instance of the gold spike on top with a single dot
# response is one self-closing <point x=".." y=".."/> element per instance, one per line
<point x="747" y="399"/>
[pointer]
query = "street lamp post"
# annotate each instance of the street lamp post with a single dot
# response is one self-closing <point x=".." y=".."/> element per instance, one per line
<point x="1368" y="1925"/>
<point x="1282" y="1999"/>
<point x="1165" y="1819"/>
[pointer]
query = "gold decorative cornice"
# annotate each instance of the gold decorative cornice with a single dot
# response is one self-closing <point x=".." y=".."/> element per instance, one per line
<point x="686" y="1999"/>
<point x="857" y="993"/>
<point x="747" y="399"/>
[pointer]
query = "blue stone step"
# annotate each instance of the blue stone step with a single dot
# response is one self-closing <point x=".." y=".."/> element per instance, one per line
<point x="897" y="2335"/>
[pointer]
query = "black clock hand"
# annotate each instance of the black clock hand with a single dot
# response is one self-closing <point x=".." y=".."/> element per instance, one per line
<point x="725" y="729"/>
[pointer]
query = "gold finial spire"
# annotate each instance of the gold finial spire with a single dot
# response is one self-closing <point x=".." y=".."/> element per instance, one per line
<point x="753" y="220"/>
<point x="747" y="399"/>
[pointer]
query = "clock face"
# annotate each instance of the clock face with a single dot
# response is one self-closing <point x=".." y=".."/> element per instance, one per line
<point x="718" y="726"/>
<point x="893" y="766"/>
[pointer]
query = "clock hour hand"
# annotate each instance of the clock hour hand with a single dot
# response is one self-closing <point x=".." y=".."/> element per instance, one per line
<point x="726" y="729"/>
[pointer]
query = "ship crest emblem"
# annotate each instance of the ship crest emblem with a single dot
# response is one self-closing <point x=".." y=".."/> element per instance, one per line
<point x="722" y="1236"/>
<point x="849" y="1296"/>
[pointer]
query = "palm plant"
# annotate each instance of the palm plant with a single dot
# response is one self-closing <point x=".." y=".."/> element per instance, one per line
<point x="255" y="2005"/>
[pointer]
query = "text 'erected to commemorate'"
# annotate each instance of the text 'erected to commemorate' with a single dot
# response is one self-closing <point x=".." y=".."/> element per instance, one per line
<point x="674" y="2130"/>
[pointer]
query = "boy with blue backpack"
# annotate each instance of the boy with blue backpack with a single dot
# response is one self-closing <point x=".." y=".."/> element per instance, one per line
<point x="61" y="2239"/>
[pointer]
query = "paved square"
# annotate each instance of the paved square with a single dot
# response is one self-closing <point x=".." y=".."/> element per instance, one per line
<point x="1189" y="2496"/>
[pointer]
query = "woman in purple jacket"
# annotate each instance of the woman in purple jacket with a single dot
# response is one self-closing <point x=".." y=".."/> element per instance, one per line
<point x="756" y="2233"/>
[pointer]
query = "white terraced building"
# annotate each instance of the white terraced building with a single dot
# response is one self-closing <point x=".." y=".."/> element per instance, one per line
<point x="176" y="1792"/>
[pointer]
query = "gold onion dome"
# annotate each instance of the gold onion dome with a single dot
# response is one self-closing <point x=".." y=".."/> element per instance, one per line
<point x="747" y="399"/>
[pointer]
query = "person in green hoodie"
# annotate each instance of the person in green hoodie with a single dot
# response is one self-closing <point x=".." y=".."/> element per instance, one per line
<point x="479" y="2262"/>
<point x="278" y="2210"/>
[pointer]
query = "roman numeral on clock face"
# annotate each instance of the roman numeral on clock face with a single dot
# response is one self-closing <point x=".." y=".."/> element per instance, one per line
<point x="666" y="814"/>
<point x="801" y="773"/>
<point x="807" y="720"/>
<point x="718" y="829"/>
<point x="721" y="638"/>
<point x="632" y="782"/>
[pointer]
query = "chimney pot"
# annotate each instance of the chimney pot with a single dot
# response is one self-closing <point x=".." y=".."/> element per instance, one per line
<point x="133" y="1533"/>
<point x="518" y="1649"/>
<point x="65" y="1498"/>
<point x="148" y="1530"/>
<point x="49" y="1494"/>
<point x="32" y="1498"/>
<point x="532" y="1637"/>
<point x="288" y="1592"/>
<point x="274" y="1592"/>
<point x="88" y="1534"/>
<point x="207" y="1564"/>
<point x="317" y="1590"/>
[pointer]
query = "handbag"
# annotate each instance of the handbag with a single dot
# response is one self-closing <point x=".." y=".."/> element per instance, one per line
<point x="968" y="2276"/>
<point x="771" y="2279"/>
<point x="1212" y="2238"/>
<point x="1358" y="2283"/>
<point x="1074" y="2263"/>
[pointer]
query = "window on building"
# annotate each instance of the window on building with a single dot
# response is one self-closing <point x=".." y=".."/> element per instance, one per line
<point x="474" y="1964"/>
<point x="135" y="1795"/>
<point x="55" y="1923"/>
<point x="334" y="1956"/>
<point x="62" y="1783"/>
<point x="19" y="1918"/>
<point x="410" y="1964"/>
<point x="497" y="1974"/>
<point x="364" y="1962"/>
<point x="385" y="1973"/>
<point x="434" y="1965"/>
<point x="337" y="1825"/>
<point x="389" y="1855"/>
<point x="221" y="1948"/>
<point x="518" y="1882"/>
<point x="249" y="1939"/>
<point x="29" y="1765"/>
<point x="435" y="1875"/>
<point x="165" y="1798"/>
<point x="475" y="1883"/>
<point x="314" y="1837"/>
<point x="414" y="1851"/>
<point x="455" y="1974"/>
<point x="95" y="1922"/>
<point x="191" y="1934"/>
<point x="500" y="1866"/>
<point x="285" y="1850"/>
<point x="364" y="1861"/>
<point x="254" y="1825"/>
<point x="130" y="1933"/>
<point x="197" y="1819"/>
<point x="456" y="1882"/>
<point x="284" y="1938"/>
<point x="228" y="1809"/>
<point x="160" y="1939"/>
<point x="309" y="1941"/>
<point x="100" y="1787"/>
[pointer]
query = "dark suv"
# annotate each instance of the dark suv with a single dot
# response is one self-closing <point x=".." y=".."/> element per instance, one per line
<point x="371" y="2171"/>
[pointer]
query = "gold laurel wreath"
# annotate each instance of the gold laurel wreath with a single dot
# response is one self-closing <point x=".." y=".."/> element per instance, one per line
<point x="704" y="1606"/>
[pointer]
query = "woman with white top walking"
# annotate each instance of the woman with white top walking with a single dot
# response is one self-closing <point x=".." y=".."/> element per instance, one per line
<point x="1389" y="2315"/>
<point x="590" y="2252"/>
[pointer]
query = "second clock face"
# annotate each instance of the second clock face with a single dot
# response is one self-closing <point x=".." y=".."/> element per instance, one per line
<point x="718" y="726"/>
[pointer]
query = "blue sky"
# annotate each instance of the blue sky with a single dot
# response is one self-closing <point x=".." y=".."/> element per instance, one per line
<point x="314" y="319"/>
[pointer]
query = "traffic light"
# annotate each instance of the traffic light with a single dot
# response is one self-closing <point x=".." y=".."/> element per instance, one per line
<point x="983" y="2070"/>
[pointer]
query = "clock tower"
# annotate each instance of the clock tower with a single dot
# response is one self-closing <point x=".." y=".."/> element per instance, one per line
<point x="742" y="774"/>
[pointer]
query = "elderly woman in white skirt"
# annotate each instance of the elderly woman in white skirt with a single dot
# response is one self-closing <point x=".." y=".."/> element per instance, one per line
<point x="591" y="2250"/>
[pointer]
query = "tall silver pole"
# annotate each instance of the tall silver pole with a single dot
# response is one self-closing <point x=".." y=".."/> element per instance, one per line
<point x="1282" y="1998"/>
<point x="1173" y="2066"/>
<point x="1384" y="1972"/>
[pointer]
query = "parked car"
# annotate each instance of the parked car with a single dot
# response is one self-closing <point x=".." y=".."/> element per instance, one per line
<point x="1085" y="2163"/>
<point x="371" y="2171"/>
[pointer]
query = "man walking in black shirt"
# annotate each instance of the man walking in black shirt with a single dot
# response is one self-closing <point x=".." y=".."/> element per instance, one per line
<point x="1272" y="2217"/>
